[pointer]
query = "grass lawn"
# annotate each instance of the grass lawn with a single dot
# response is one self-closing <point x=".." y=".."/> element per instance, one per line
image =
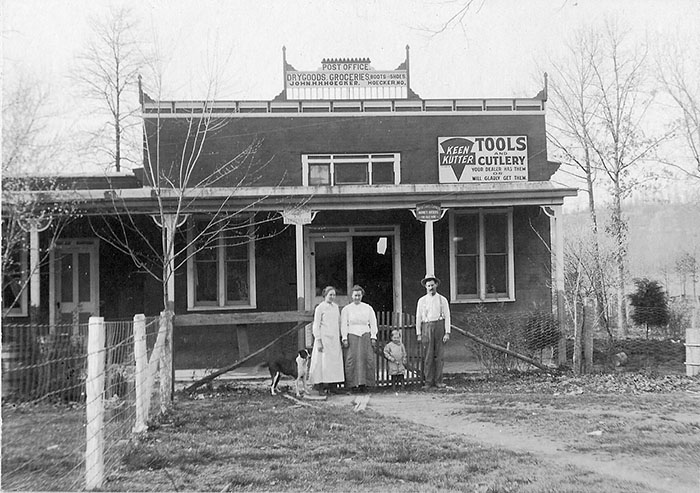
<point x="244" y="439"/>
<point x="43" y="447"/>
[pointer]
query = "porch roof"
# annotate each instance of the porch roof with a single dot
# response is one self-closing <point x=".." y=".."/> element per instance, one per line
<point x="344" y="197"/>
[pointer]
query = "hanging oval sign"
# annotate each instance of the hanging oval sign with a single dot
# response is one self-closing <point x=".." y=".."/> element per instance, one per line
<point x="428" y="212"/>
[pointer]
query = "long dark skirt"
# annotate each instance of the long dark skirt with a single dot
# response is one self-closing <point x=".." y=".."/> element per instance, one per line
<point x="360" y="362"/>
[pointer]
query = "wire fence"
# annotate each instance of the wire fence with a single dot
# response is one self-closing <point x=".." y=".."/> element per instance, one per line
<point x="537" y="335"/>
<point x="45" y="423"/>
<point x="46" y="378"/>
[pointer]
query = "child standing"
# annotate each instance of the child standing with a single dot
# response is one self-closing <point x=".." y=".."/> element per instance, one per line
<point x="395" y="352"/>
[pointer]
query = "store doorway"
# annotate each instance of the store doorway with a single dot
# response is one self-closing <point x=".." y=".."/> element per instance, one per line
<point x="347" y="256"/>
<point x="374" y="270"/>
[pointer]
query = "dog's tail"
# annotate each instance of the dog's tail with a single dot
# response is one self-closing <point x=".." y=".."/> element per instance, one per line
<point x="260" y="366"/>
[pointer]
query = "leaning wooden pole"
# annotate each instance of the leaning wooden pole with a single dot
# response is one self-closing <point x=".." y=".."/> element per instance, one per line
<point x="233" y="366"/>
<point x="496" y="347"/>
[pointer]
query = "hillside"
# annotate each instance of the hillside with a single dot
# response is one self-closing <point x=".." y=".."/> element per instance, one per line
<point x="658" y="235"/>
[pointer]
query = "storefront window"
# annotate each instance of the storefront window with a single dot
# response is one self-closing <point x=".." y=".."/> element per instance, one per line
<point x="221" y="265"/>
<point x="481" y="260"/>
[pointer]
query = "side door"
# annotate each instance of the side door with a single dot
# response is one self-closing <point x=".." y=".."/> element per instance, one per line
<point x="75" y="276"/>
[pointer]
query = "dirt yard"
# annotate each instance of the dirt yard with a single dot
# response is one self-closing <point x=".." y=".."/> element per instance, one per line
<point x="652" y="439"/>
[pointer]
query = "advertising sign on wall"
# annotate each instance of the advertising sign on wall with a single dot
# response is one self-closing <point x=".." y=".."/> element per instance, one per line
<point x="485" y="159"/>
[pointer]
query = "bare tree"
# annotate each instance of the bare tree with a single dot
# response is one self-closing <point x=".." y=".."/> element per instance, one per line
<point x="29" y="148"/>
<point x="107" y="72"/>
<point x="616" y="133"/>
<point x="178" y="184"/>
<point x="573" y="105"/>
<point x="620" y="73"/>
<point x="457" y="16"/>
<point x="678" y="72"/>
<point x="686" y="266"/>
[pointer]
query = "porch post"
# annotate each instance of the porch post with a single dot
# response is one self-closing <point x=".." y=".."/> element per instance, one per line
<point x="170" y="226"/>
<point x="34" y="282"/>
<point x="34" y="226"/>
<point x="559" y="277"/>
<point x="429" y="248"/>
<point x="428" y="213"/>
<point x="299" y="236"/>
<point x="300" y="216"/>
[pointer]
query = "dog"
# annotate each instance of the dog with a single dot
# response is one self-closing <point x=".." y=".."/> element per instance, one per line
<point x="297" y="368"/>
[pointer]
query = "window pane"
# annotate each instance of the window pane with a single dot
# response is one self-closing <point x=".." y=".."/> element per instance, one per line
<point x="206" y="239"/>
<point x="496" y="230"/>
<point x="67" y="279"/>
<point x="205" y="264"/>
<point x="237" y="252"/>
<point x="83" y="277"/>
<point x="237" y="244"/>
<point x="206" y="254"/>
<point x="467" y="275"/>
<point x="382" y="173"/>
<point x="206" y="281"/>
<point x="319" y="174"/>
<point x="331" y="266"/>
<point x="467" y="234"/>
<point x="349" y="173"/>
<point x="496" y="275"/>
<point x="12" y="281"/>
<point x="237" y="281"/>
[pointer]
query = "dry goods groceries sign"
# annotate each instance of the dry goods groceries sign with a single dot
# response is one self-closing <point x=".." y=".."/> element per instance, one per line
<point x="346" y="75"/>
<point x="482" y="159"/>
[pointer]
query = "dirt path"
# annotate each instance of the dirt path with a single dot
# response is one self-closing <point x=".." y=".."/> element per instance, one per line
<point x="438" y="411"/>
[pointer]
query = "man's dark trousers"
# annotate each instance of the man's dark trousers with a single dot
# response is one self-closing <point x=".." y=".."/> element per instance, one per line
<point x="433" y="351"/>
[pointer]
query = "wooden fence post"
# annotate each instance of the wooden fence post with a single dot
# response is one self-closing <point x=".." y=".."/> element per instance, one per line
<point x="154" y="360"/>
<point x="592" y="326"/>
<point x="141" y="357"/>
<point x="166" y="363"/>
<point x="94" y="390"/>
<point x="579" y="330"/>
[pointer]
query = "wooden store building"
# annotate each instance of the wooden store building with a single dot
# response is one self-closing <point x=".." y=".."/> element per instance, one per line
<point x="346" y="177"/>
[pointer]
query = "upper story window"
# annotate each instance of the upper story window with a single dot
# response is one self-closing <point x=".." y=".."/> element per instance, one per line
<point x="220" y="265"/>
<point x="481" y="255"/>
<point x="15" y="283"/>
<point x="351" y="169"/>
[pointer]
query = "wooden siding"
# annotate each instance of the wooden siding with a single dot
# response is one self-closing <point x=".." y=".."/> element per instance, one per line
<point x="284" y="140"/>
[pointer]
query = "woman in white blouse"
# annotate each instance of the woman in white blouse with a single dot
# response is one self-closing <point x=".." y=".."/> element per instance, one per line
<point x="358" y="329"/>
<point x="326" y="366"/>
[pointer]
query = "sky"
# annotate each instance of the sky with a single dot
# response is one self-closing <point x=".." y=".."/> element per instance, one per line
<point x="493" y="53"/>
<point x="498" y="50"/>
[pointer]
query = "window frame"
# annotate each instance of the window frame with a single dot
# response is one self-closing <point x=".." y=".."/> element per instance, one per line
<point x="221" y="303"/>
<point x="482" y="295"/>
<point x="307" y="160"/>
<point x="21" y="308"/>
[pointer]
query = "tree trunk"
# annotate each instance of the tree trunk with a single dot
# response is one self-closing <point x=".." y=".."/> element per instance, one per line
<point x="578" y="336"/>
<point x="618" y="227"/>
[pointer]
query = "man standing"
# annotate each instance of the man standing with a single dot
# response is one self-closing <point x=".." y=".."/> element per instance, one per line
<point x="433" y="330"/>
